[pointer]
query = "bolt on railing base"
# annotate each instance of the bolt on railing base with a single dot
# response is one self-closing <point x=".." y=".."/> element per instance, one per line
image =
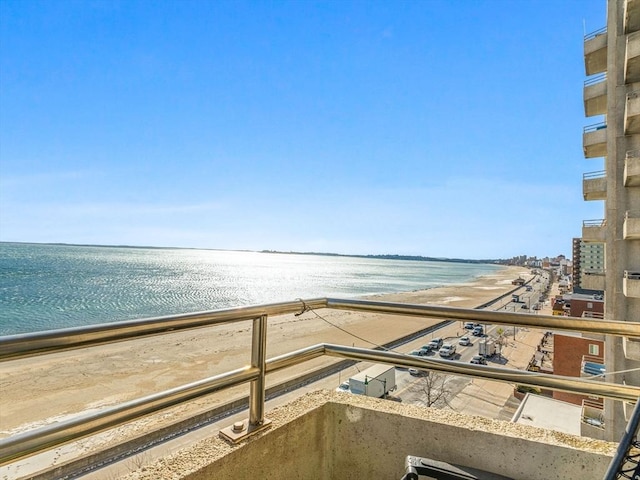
<point x="242" y="430"/>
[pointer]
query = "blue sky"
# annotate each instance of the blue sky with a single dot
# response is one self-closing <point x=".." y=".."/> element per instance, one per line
<point x="436" y="128"/>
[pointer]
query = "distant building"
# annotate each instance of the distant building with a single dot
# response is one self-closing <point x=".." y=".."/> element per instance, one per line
<point x="588" y="266"/>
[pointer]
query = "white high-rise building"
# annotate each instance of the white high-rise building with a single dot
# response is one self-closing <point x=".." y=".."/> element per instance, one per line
<point x="612" y="96"/>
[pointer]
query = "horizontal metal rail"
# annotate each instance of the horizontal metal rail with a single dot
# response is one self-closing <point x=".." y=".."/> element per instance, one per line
<point x="40" y="439"/>
<point x="600" y="31"/>
<point x="594" y="175"/>
<point x="630" y="275"/>
<point x="595" y="127"/>
<point x="31" y="344"/>
<point x="601" y="222"/>
<point x="599" y="78"/>
<point x="547" y="322"/>
<point x="37" y="440"/>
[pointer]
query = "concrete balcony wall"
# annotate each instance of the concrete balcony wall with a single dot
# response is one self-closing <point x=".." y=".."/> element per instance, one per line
<point x="594" y="187"/>
<point x="631" y="347"/>
<point x="632" y="169"/>
<point x="593" y="231"/>
<point x="631" y="16"/>
<point x="631" y="284"/>
<point x="593" y="281"/>
<point x="632" y="58"/>
<point x="326" y="435"/>
<point x="632" y="113"/>
<point x="592" y="421"/>
<point x="594" y="142"/>
<point x="595" y="52"/>
<point x="631" y="226"/>
<point x="595" y="96"/>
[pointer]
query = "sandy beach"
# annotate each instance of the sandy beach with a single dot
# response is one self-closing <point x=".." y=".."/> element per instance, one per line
<point x="42" y="390"/>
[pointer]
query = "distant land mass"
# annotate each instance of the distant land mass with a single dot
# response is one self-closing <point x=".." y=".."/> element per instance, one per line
<point x="418" y="258"/>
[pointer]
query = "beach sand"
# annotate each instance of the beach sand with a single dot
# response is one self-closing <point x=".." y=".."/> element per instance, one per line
<point x="41" y="390"/>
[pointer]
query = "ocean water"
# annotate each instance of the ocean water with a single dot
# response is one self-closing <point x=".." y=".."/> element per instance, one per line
<point x="45" y="287"/>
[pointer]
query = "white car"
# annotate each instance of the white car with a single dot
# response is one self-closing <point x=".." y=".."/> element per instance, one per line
<point x="447" y="350"/>
<point x="464" y="341"/>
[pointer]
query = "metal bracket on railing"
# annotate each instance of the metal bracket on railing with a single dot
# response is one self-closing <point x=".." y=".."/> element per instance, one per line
<point x="257" y="421"/>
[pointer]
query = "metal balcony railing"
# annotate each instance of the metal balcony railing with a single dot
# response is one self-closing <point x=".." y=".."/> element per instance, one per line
<point x="593" y="366"/>
<point x="598" y="32"/>
<point x="631" y="275"/>
<point x="594" y="223"/>
<point x="595" y="127"/>
<point x="632" y="95"/>
<point x="633" y="154"/>
<point x="599" y="78"/>
<point x="20" y="346"/>
<point x="594" y="175"/>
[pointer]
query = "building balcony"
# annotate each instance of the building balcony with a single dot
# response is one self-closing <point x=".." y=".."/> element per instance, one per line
<point x="631" y="347"/>
<point x="592" y="367"/>
<point x="594" y="185"/>
<point x="332" y="436"/>
<point x="631" y="284"/>
<point x="593" y="231"/>
<point x="632" y="59"/>
<point x="323" y="434"/>
<point x="632" y="113"/>
<point x="595" y="95"/>
<point x="594" y="140"/>
<point x="595" y="52"/>
<point x="632" y="169"/>
<point x="631" y="16"/>
<point x="593" y="280"/>
<point x="631" y="225"/>
<point x="592" y="420"/>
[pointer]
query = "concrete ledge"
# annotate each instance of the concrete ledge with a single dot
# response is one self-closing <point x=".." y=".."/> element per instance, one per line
<point x="328" y="435"/>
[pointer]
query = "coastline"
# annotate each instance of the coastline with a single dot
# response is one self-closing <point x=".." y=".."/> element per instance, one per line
<point x="41" y="390"/>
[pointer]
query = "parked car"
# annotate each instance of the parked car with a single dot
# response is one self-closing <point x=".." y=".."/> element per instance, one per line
<point x="437" y="343"/>
<point x="447" y="350"/>
<point x="478" y="360"/>
<point x="464" y="341"/>
<point x="343" y="387"/>
<point x="478" y="331"/>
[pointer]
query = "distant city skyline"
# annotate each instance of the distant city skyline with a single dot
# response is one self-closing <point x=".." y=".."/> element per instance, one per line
<point x="436" y="129"/>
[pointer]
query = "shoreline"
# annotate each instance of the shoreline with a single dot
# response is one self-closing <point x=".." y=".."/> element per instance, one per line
<point x="40" y="390"/>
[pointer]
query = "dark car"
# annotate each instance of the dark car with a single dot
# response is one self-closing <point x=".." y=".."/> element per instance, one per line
<point x="478" y="360"/>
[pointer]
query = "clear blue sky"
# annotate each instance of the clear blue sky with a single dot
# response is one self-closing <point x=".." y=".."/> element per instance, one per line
<point x="436" y="128"/>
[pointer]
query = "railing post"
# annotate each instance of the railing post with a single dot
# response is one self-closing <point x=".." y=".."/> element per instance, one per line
<point x="256" y="422"/>
<point x="258" y="360"/>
